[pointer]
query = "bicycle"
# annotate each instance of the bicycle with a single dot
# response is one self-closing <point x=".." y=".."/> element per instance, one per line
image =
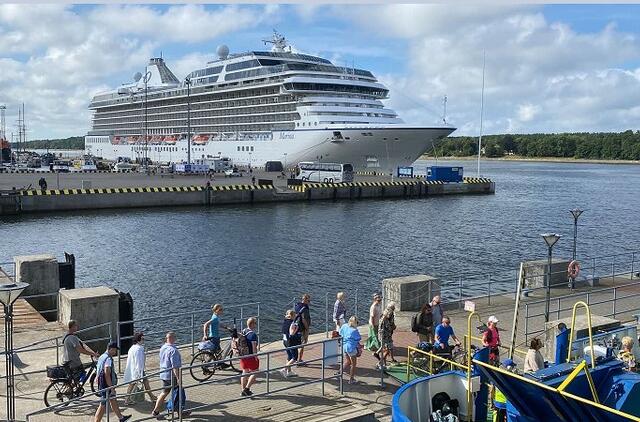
<point x="65" y="386"/>
<point x="199" y="369"/>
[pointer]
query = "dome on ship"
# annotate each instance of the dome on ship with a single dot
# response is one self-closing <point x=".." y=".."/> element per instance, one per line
<point x="222" y="51"/>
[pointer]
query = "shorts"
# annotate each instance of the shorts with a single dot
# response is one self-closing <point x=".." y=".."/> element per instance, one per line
<point x="166" y="384"/>
<point x="388" y="345"/>
<point x="103" y="395"/>
<point x="291" y="353"/>
<point x="216" y="342"/>
<point x="352" y="354"/>
<point x="250" y="364"/>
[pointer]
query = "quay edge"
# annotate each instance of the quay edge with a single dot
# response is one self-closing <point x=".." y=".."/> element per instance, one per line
<point x="34" y="201"/>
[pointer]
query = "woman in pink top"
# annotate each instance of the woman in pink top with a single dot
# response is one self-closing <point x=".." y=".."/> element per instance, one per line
<point x="491" y="339"/>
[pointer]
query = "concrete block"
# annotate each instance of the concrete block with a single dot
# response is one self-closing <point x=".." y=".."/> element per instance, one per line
<point x="410" y="292"/>
<point x="535" y="272"/>
<point x="41" y="272"/>
<point x="91" y="306"/>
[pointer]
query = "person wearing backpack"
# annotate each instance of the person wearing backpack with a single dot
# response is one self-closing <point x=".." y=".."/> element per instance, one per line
<point x="302" y="308"/>
<point x="422" y="324"/>
<point x="291" y="337"/>
<point x="107" y="378"/>
<point x="247" y="344"/>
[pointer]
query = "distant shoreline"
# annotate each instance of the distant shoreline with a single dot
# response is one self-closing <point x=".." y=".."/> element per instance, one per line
<point x="533" y="160"/>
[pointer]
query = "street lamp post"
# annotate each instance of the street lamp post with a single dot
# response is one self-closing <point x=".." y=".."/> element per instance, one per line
<point x="187" y="82"/>
<point x="576" y="213"/>
<point x="8" y="294"/>
<point x="550" y="239"/>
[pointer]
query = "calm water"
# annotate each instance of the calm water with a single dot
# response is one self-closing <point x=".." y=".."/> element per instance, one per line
<point x="172" y="259"/>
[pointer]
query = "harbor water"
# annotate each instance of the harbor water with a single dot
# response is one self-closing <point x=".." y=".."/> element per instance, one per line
<point x="173" y="259"/>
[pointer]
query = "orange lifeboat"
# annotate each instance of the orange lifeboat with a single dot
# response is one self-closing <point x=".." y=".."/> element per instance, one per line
<point x="201" y="139"/>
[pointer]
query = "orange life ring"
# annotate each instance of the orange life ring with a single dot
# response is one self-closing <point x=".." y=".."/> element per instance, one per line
<point x="574" y="269"/>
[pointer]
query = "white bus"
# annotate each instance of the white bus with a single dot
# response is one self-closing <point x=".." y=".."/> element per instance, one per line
<point x="324" y="172"/>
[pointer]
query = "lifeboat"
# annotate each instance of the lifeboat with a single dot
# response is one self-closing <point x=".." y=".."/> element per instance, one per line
<point x="201" y="139"/>
<point x="171" y="139"/>
<point x="132" y="139"/>
<point x="157" y="139"/>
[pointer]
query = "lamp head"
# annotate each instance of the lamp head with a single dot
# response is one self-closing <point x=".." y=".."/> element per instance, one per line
<point x="9" y="292"/>
<point x="551" y="238"/>
<point x="576" y="212"/>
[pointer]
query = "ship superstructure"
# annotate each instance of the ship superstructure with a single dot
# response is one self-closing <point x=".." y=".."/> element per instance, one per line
<point x="254" y="107"/>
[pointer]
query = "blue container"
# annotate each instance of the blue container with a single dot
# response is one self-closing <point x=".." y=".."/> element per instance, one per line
<point x="444" y="174"/>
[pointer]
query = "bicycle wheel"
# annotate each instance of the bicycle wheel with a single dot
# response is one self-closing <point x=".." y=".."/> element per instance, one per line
<point x="230" y="363"/>
<point x="59" y="391"/>
<point x="92" y="381"/>
<point x="202" y="373"/>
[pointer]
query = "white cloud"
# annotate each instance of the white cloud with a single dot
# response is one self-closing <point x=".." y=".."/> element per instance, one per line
<point x="540" y="75"/>
<point x="55" y="58"/>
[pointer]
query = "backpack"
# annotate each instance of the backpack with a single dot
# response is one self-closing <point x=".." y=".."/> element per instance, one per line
<point x="414" y="322"/>
<point x="102" y="383"/>
<point x="242" y="344"/>
<point x="173" y="405"/>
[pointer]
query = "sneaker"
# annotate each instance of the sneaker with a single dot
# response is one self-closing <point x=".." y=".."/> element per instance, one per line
<point x="125" y="418"/>
<point x="186" y="413"/>
<point x="292" y="374"/>
<point x="284" y="372"/>
<point x="245" y="393"/>
<point x="353" y="381"/>
<point x="249" y="393"/>
<point x="381" y="367"/>
<point x="301" y="363"/>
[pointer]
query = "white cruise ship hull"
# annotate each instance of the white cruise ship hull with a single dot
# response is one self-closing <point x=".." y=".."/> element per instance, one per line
<point x="379" y="148"/>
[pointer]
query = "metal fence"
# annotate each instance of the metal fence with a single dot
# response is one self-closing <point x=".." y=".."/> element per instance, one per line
<point x="610" y="298"/>
<point x="455" y="289"/>
<point x="268" y="357"/>
<point x="187" y="324"/>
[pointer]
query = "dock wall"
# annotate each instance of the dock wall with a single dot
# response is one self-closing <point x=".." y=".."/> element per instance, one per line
<point x="29" y="201"/>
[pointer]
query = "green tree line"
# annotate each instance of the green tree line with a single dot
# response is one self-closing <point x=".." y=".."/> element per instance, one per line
<point x="597" y="146"/>
<point x="73" y="142"/>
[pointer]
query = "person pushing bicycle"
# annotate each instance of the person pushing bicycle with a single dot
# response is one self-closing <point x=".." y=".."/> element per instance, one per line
<point x="72" y="348"/>
<point x="212" y="326"/>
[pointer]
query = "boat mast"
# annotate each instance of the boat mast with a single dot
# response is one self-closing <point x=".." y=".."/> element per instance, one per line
<point x="481" y="111"/>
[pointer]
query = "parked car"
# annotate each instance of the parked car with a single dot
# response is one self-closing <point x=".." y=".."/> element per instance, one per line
<point x="232" y="173"/>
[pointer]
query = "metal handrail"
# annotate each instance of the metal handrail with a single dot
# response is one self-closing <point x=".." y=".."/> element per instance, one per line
<point x="573" y="323"/>
<point x="82" y="400"/>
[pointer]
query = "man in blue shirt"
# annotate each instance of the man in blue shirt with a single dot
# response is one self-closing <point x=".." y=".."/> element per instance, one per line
<point x="443" y="332"/>
<point x="107" y="378"/>
<point x="170" y="363"/>
<point x="213" y="326"/>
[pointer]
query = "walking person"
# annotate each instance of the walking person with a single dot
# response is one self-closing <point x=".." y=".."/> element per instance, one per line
<point x="107" y="380"/>
<point x="491" y="339"/>
<point x="170" y="363"/>
<point x="424" y="324"/>
<point x="351" y="347"/>
<point x="247" y="344"/>
<point x="211" y="328"/>
<point x="302" y="309"/>
<point x="136" y="360"/>
<point x="339" y="311"/>
<point x="386" y="328"/>
<point x="43" y="183"/>
<point x="72" y="348"/>
<point x="291" y="337"/>
<point x="437" y="311"/>
<point x="375" y="312"/>
<point x="534" y="361"/>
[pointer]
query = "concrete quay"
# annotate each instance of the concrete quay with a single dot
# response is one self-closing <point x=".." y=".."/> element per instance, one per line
<point x="219" y="192"/>
<point x="363" y="402"/>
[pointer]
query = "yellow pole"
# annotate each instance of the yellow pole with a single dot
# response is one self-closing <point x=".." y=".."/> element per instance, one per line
<point x="408" y="362"/>
<point x="573" y="323"/>
<point x="468" y="346"/>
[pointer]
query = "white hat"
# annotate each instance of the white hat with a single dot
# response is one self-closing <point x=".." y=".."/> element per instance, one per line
<point x="493" y="319"/>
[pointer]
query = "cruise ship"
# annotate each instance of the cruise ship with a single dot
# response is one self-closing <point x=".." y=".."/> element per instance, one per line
<point x="254" y="107"/>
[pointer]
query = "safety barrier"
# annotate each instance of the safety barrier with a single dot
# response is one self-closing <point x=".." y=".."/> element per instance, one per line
<point x="381" y="184"/>
<point x="267" y="357"/>
<point x="49" y="192"/>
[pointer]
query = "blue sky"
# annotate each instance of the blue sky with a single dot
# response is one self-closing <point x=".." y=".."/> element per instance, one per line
<point x="550" y="68"/>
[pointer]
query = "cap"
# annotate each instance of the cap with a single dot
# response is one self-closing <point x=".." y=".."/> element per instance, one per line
<point x="493" y="319"/>
<point x="508" y="362"/>
<point x="113" y="345"/>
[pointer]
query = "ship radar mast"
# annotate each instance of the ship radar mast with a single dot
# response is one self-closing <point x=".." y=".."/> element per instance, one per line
<point x="278" y="43"/>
